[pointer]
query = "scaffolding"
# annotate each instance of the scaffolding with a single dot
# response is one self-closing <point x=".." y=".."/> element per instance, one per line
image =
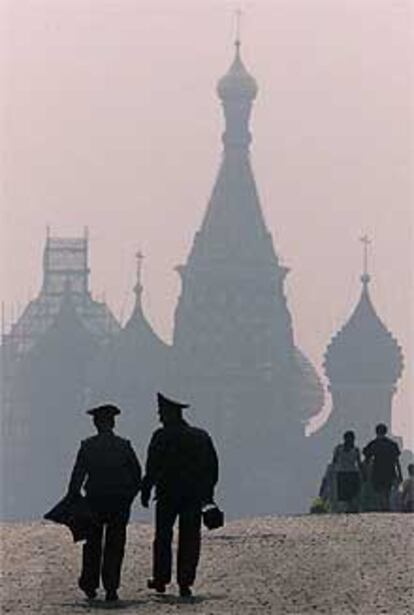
<point x="65" y="269"/>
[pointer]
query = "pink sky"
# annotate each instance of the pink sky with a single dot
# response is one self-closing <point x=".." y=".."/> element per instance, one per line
<point x="110" y="119"/>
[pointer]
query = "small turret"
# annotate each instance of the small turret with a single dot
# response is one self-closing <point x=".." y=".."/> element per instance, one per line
<point x="237" y="90"/>
<point x="364" y="351"/>
<point x="363" y="363"/>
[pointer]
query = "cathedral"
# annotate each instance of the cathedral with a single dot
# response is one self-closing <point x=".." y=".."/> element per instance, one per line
<point x="234" y="356"/>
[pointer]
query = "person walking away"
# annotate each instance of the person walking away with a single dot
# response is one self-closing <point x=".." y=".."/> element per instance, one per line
<point x="108" y="469"/>
<point x="182" y="464"/>
<point x="408" y="490"/>
<point x="367" y="495"/>
<point x="348" y="470"/>
<point x="386" y="469"/>
<point x="327" y="490"/>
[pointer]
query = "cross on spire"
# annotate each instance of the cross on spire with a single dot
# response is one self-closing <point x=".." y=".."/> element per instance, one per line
<point x="366" y="242"/>
<point x="138" y="287"/>
<point x="239" y="14"/>
<point x="140" y="257"/>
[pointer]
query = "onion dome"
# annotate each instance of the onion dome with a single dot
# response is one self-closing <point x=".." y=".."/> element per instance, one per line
<point x="237" y="83"/>
<point x="137" y="355"/>
<point x="364" y="351"/>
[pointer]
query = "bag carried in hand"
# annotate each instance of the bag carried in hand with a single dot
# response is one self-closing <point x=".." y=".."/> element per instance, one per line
<point x="213" y="517"/>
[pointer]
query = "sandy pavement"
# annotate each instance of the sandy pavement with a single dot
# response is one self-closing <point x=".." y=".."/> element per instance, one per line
<point x="335" y="564"/>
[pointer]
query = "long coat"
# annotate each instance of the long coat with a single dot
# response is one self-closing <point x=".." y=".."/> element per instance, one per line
<point x="107" y="467"/>
<point x="182" y="463"/>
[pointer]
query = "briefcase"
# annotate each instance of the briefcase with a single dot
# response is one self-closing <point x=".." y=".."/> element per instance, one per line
<point x="213" y="517"/>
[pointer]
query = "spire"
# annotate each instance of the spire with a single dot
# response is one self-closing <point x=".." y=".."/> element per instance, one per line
<point x="233" y="230"/>
<point x="365" y="277"/>
<point x="138" y="288"/>
<point x="137" y="322"/>
<point x="237" y="42"/>
<point x="237" y="89"/>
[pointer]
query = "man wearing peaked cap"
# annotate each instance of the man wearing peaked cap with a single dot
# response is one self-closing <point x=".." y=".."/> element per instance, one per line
<point x="106" y="410"/>
<point x="164" y="403"/>
<point x="108" y="469"/>
<point x="182" y="465"/>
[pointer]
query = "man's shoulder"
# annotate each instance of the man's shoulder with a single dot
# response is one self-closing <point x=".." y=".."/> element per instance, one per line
<point x="123" y="441"/>
<point x="371" y="444"/>
<point x="158" y="434"/>
<point x="97" y="439"/>
<point x="199" y="434"/>
<point x="392" y="444"/>
<point x="87" y="442"/>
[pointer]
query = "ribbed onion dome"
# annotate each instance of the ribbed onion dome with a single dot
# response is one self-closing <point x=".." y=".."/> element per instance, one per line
<point x="363" y="351"/>
<point x="237" y="83"/>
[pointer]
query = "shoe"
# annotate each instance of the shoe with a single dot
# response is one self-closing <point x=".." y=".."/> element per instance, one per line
<point x="159" y="586"/>
<point x="89" y="592"/>
<point x="111" y="596"/>
<point x="185" y="591"/>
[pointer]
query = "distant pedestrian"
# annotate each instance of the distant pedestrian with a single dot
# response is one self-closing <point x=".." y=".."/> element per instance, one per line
<point x="108" y="468"/>
<point x="347" y="467"/>
<point x="408" y="490"/>
<point x="327" y="489"/>
<point x="182" y="464"/>
<point x="384" y="454"/>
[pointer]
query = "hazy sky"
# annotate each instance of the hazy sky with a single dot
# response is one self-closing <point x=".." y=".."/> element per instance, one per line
<point x="110" y="119"/>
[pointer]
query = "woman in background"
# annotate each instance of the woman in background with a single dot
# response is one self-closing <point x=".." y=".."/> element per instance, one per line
<point x="408" y="490"/>
<point x="348" y="469"/>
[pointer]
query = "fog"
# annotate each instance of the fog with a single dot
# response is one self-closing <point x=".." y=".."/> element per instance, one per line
<point x="110" y="120"/>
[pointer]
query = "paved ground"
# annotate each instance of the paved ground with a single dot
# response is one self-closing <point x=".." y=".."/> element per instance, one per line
<point x="295" y="565"/>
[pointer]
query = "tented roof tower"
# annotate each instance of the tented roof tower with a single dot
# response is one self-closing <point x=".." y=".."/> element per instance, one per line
<point x="233" y="278"/>
<point x="234" y="349"/>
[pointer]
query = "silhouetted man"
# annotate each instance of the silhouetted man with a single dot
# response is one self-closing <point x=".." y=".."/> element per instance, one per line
<point x="108" y="468"/>
<point x="182" y="464"/>
<point x="383" y="453"/>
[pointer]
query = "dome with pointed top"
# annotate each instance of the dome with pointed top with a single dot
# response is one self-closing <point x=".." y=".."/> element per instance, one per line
<point x="134" y="359"/>
<point x="363" y="351"/>
<point x="237" y="83"/>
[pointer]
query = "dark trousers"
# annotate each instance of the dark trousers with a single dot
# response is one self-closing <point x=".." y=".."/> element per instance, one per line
<point x="189" y="540"/>
<point x="103" y="551"/>
<point x="382" y="491"/>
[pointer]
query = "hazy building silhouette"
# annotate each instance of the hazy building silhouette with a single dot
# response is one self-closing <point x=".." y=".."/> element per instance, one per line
<point x="49" y="387"/>
<point x="45" y="361"/>
<point x="234" y="349"/>
<point x="234" y="356"/>
<point x="363" y="363"/>
<point x="130" y="370"/>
